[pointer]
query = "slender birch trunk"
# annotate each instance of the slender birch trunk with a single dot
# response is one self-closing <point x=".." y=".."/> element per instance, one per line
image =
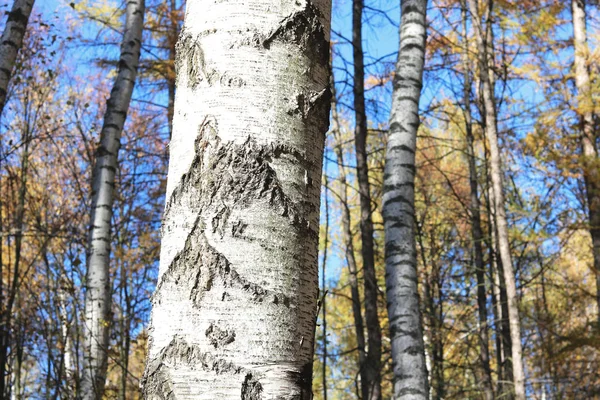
<point x="505" y="387"/>
<point x="11" y="43"/>
<point x="235" y="307"/>
<point x="65" y="329"/>
<point x="324" y="286"/>
<point x="371" y="379"/>
<point x="347" y="237"/>
<point x="491" y="131"/>
<point x="475" y="214"/>
<point x="408" y="352"/>
<point x="98" y="294"/>
<point x="589" y="136"/>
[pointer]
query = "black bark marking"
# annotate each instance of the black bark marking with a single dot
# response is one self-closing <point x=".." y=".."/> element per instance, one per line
<point x="219" y="337"/>
<point x="18" y="17"/>
<point x="199" y="265"/>
<point x="251" y="388"/>
<point x="189" y="55"/>
<point x="304" y="28"/>
<point x="157" y="380"/>
<point x="220" y="219"/>
<point x="237" y="229"/>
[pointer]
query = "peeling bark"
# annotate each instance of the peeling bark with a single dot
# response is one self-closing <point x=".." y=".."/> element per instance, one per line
<point x="235" y="307"/>
<point x="98" y="295"/>
<point x="408" y="350"/>
<point x="11" y="43"/>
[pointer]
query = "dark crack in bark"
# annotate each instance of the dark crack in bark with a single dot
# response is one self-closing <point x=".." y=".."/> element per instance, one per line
<point x="304" y="28"/>
<point x="190" y="60"/>
<point x="157" y="381"/>
<point x="219" y="337"/>
<point x="251" y="388"/>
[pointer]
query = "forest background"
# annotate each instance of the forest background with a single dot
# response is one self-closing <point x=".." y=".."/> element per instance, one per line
<point x="49" y="130"/>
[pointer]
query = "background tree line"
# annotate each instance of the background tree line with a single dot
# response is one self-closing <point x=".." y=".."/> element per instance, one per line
<point x="505" y="198"/>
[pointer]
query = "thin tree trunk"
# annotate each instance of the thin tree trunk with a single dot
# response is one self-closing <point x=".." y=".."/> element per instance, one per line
<point x="97" y="296"/>
<point x="590" y="162"/>
<point x="125" y="333"/>
<point x="11" y="43"/>
<point x="324" y="285"/>
<point x="434" y="315"/>
<point x="172" y="41"/>
<point x="347" y="238"/>
<point x="491" y="131"/>
<point x="505" y="387"/>
<point x="371" y="379"/>
<point x="235" y="307"/>
<point x="504" y="352"/>
<point x="408" y="352"/>
<point x="476" y="231"/>
<point x="7" y="337"/>
<point x="66" y="340"/>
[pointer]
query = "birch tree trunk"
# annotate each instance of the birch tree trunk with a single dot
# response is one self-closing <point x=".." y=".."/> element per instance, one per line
<point x="65" y="330"/>
<point x="11" y="43"/>
<point x="371" y="379"/>
<point x="324" y="286"/>
<point x="408" y="352"/>
<point x="98" y="293"/>
<point x="491" y="131"/>
<point x="235" y="307"/>
<point x="589" y="136"/>
<point x="505" y="389"/>
<point x="475" y="214"/>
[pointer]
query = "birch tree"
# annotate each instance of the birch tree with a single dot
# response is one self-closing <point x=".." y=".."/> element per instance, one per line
<point x="408" y="352"/>
<point x="589" y="135"/>
<point x="98" y="293"/>
<point x="11" y="43"/>
<point x="235" y="306"/>
<point x="491" y="131"/>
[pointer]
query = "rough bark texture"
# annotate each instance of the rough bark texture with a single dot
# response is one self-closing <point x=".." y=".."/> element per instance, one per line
<point x="590" y="162"/>
<point x="475" y="215"/>
<point x="11" y="43"/>
<point x="491" y="131"/>
<point x="98" y="295"/>
<point x="408" y="353"/>
<point x="347" y="237"/>
<point x="235" y="307"/>
<point x="371" y="379"/>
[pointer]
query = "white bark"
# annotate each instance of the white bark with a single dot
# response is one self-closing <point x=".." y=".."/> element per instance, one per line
<point x="65" y="325"/>
<point x="491" y="131"/>
<point x="97" y="296"/>
<point x="408" y="351"/>
<point x="234" y="310"/>
<point x="11" y="43"/>
<point x="590" y="161"/>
